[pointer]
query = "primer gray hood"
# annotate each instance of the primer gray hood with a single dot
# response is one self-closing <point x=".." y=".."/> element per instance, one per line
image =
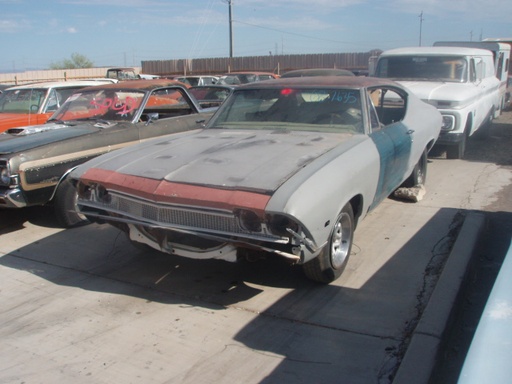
<point x="250" y="160"/>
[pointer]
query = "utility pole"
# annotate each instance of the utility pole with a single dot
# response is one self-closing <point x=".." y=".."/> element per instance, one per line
<point x="230" y="28"/>
<point x="421" y="24"/>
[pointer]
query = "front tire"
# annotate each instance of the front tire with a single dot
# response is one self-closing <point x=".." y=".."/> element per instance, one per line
<point x="332" y="260"/>
<point x="65" y="205"/>
<point x="457" y="151"/>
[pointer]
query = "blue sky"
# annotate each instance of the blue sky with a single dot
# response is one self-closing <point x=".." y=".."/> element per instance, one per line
<point x="36" y="33"/>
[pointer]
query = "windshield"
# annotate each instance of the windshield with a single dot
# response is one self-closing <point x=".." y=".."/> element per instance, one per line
<point x="118" y="105"/>
<point x="311" y="109"/>
<point x="22" y="100"/>
<point x="436" y="68"/>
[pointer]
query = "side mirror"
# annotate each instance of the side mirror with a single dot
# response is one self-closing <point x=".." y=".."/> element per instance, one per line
<point x="153" y="116"/>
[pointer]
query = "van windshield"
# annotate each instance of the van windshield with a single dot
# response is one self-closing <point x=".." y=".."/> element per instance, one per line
<point x="424" y="68"/>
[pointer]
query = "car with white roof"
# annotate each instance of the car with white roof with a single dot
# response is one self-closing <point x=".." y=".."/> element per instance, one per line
<point x="34" y="103"/>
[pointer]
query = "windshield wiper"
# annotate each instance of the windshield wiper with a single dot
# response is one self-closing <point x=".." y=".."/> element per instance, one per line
<point x="59" y="121"/>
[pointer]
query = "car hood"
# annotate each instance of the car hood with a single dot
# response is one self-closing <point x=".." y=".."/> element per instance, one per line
<point x="24" y="138"/>
<point x="433" y="91"/>
<point x="227" y="159"/>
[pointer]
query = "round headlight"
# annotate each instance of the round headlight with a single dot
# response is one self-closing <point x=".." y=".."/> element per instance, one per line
<point x="5" y="177"/>
<point x="84" y="191"/>
<point x="249" y="221"/>
<point x="279" y="225"/>
<point x="102" y="195"/>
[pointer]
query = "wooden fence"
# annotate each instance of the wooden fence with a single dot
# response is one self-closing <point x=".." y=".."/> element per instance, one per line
<point x="272" y="63"/>
<point x="20" y="78"/>
<point x="278" y="64"/>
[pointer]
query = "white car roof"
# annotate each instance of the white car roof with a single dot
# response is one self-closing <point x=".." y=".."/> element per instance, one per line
<point x="61" y="84"/>
<point x="449" y="51"/>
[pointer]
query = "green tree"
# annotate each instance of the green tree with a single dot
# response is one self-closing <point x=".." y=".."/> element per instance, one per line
<point x="77" y="61"/>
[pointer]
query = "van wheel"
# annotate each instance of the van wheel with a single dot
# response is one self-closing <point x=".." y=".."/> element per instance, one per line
<point x="457" y="151"/>
<point x="484" y="132"/>
<point x="332" y="260"/>
<point x="65" y="207"/>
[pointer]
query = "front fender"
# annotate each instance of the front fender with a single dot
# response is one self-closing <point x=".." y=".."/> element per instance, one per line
<point x="316" y="198"/>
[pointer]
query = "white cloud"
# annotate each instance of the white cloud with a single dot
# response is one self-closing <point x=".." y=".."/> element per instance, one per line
<point x="71" y="30"/>
<point x="501" y="310"/>
<point x="13" y="26"/>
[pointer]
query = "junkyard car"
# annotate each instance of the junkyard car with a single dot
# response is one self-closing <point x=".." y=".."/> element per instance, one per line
<point x="209" y="96"/>
<point x="286" y="167"/>
<point x="237" y="78"/>
<point x="198" y="80"/>
<point x="35" y="103"/>
<point x="317" y="72"/>
<point x="35" y="160"/>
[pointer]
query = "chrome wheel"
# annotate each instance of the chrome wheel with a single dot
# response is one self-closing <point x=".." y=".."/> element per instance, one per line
<point x="341" y="240"/>
<point x="332" y="260"/>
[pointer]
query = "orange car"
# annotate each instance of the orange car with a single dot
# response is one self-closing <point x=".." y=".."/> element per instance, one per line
<point x="35" y="103"/>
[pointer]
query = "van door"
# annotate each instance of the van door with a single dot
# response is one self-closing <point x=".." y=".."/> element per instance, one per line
<point x="485" y="92"/>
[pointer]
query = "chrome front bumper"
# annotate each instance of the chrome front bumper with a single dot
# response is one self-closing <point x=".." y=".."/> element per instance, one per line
<point x="12" y="198"/>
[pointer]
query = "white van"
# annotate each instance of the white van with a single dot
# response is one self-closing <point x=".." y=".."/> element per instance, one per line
<point x="459" y="82"/>
<point x="501" y="54"/>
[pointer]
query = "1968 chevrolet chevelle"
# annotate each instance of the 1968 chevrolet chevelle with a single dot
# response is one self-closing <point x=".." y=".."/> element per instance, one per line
<point x="286" y="167"/>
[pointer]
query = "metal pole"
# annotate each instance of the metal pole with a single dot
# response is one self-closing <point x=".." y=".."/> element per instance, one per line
<point x="421" y="24"/>
<point x="230" y="30"/>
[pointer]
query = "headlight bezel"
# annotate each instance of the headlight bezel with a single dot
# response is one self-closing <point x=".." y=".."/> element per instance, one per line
<point x="6" y="178"/>
<point x="93" y="192"/>
<point x="449" y="123"/>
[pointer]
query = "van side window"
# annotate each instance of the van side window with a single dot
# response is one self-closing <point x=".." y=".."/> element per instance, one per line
<point x="499" y="70"/>
<point x="472" y="71"/>
<point x="481" y="70"/>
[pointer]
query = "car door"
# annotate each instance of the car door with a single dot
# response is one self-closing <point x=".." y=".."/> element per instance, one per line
<point x="391" y="138"/>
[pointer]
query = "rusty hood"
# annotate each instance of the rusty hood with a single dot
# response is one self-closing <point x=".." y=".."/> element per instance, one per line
<point x="257" y="161"/>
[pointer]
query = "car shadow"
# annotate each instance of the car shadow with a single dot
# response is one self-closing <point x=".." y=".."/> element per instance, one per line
<point x="12" y="220"/>
<point x="315" y="327"/>
<point x="318" y="331"/>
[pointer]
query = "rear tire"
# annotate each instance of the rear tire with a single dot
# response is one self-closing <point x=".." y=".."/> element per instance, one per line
<point x="65" y="205"/>
<point x="332" y="260"/>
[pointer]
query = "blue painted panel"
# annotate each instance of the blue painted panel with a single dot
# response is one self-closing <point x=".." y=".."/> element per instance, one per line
<point x="394" y="146"/>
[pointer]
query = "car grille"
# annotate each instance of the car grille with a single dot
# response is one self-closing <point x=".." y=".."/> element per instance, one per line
<point x="177" y="217"/>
